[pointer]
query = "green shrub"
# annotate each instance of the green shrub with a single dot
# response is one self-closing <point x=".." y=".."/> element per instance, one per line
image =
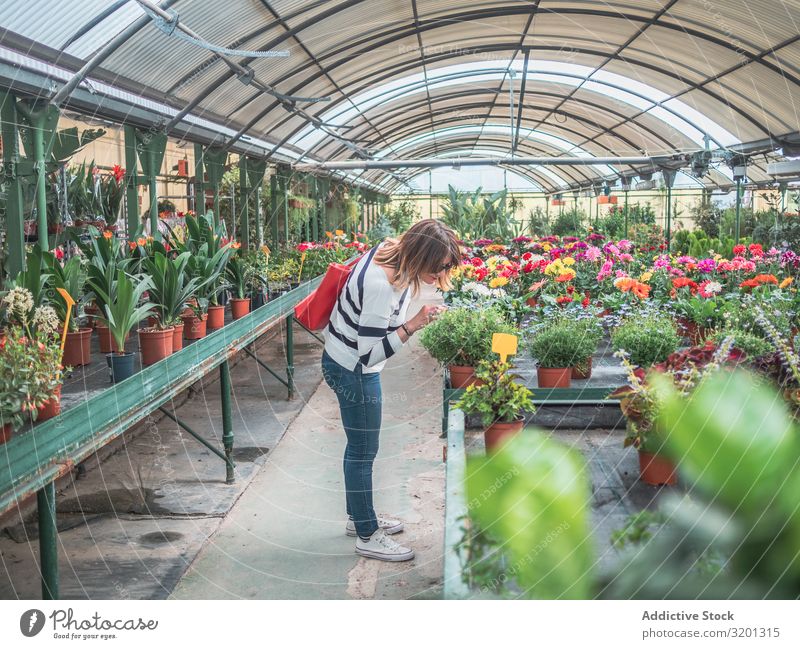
<point x="648" y="339"/>
<point x="569" y="222"/>
<point x="463" y="336"/>
<point x="562" y="343"/>
<point x="750" y="343"/>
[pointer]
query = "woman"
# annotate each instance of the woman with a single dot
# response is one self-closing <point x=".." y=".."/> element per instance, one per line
<point x="367" y="326"/>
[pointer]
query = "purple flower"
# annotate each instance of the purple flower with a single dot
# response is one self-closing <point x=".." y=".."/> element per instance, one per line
<point x="706" y="265"/>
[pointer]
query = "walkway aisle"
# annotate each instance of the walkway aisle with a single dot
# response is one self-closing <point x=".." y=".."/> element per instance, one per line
<point x="284" y="538"/>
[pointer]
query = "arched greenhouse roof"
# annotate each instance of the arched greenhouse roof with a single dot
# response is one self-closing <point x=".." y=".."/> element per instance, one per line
<point x="427" y="79"/>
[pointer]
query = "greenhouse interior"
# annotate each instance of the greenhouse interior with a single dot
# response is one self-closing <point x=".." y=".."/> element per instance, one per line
<point x="571" y="230"/>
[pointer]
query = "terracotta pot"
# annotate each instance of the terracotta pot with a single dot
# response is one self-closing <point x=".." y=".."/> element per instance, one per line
<point x="240" y="307"/>
<point x="77" y="348"/>
<point x="177" y="337"/>
<point x="216" y="317"/>
<point x="554" y="377"/>
<point x="91" y="312"/>
<point x="656" y="470"/>
<point x="155" y="344"/>
<point x="194" y="327"/>
<point x="584" y="372"/>
<point x="501" y="431"/>
<point x="5" y="433"/>
<point x="107" y="342"/>
<point x="462" y="376"/>
<point x="50" y="408"/>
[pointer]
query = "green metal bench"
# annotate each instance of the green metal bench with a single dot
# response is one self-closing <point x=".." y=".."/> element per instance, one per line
<point x="35" y="459"/>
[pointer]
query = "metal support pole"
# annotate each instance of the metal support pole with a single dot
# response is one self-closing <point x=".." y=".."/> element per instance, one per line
<point x="131" y="184"/>
<point x="48" y="540"/>
<point x="15" y="237"/>
<point x="37" y="127"/>
<point x="738" y="207"/>
<point x="153" y="185"/>
<point x="244" y="227"/>
<point x="626" y="213"/>
<point x="227" y="419"/>
<point x="259" y="229"/>
<point x="199" y="181"/>
<point x="669" y="218"/>
<point x="273" y="208"/>
<point x="290" y="355"/>
<point x="315" y="214"/>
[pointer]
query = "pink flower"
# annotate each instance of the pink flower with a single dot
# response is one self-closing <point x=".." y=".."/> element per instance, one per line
<point x="625" y="258"/>
<point x="662" y="261"/>
<point x="593" y="253"/>
<point x="620" y="273"/>
<point x="624" y="245"/>
<point x="706" y="265"/>
<point x="605" y="271"/>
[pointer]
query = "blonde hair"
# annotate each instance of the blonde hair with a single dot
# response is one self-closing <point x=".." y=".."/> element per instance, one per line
<point x="425" y="248"/>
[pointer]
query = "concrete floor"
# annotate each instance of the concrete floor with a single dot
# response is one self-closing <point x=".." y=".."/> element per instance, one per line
<point x="137" y="520"/>
<point x="284" y="538"/>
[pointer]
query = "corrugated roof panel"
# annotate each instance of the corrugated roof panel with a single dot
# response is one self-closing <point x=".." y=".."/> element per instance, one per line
<point x="638" y="8"/>
<point x="767" y="97"/>
<point x="157" y="60"/>
<point x="788" y="58"/>
<point x="350" y="26"/>
<point x="689" y="57"/>
<point x="47" y="22"/>
<point x="592" y="33"/>
<point x="663" y="82"/>
<point x="750" y="24"/>
<point x="104" y="31"/>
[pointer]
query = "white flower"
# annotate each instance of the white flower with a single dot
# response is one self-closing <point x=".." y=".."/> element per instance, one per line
<point x="19" y="301"/>
<point x="713" y="287"/>
<point x="46" y="320"/>
<point x="476" y="288"/>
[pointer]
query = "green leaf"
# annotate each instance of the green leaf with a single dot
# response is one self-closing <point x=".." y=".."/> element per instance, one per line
<point x="733" y="437"/>
<point x="533" y="493"/>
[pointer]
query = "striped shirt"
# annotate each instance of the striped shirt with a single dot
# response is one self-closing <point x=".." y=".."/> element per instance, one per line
<point x="363" y="325"/>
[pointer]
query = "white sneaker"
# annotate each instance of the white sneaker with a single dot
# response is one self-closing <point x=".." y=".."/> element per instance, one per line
<point x="380" y="546"/>
<point x="388" y="525"/>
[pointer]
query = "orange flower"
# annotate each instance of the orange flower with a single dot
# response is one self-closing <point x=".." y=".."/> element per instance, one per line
<point x="641" y="291"/>
<point x="141" y="241"/>
<point x="625" y="284"/>
<point x="132" y="245"/>
<point x="235" y="245"/>
<point x="107" y="234"/>
<point x="786" y="282"/>
<point x="564" y="278"/>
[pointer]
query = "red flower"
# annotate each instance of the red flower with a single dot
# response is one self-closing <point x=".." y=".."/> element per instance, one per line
<point x="685" y="282"/>
<point x="477" y="262"/>
<point x="119" y="173"/>
<point x="756" y="250"/>
<point x="738" y="250"/>
<point x="563" y="299"/>
<point x="570" y="289"/>
<point x="585" y="302"/>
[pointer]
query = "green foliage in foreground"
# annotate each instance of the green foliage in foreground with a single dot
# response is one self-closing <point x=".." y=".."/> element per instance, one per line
<point x="735" y="535"/>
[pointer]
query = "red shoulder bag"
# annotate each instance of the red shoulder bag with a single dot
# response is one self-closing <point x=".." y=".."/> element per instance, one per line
<point x="314" y="311"/>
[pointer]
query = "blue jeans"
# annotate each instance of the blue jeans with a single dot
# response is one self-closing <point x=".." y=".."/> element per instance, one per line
<point x="360" y="404"/>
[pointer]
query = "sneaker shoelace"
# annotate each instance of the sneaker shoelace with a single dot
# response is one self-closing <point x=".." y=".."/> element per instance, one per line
<point x="388" y="542"/>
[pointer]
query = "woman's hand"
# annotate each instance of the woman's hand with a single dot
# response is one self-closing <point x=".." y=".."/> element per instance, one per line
<point x="425" y="316"/>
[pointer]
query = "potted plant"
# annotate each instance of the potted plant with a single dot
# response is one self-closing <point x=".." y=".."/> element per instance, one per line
<point x="591" y="331"/>
<point x="647" y="337"/>
<point x="258" y="262"/>
<point x="171" y="292"/>
<point x="123" y="310"/>
<point x="206" y="270"/>
<point x="460" y="338"/>
<point x="71" y="277"/>
<point x="238" y="275"/>
<point x="112" y="191"/>
<point x="699" y="315"/>
<point x="500" y="401"/>
<point x="558" y="346"/>
<point x="30" y="363"/>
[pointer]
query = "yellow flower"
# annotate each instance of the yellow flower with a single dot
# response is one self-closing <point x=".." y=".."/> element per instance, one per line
<point x="498" y="281"/>
<point x="569" y="261"/>
<point x="546" y="246"/>
<point x="646" y="277"/>
<point x="786" y="282"/>
<point x="339" y="233"/>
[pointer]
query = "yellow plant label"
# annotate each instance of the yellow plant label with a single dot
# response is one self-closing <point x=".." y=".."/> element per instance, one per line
<point x="505" y="345"/>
